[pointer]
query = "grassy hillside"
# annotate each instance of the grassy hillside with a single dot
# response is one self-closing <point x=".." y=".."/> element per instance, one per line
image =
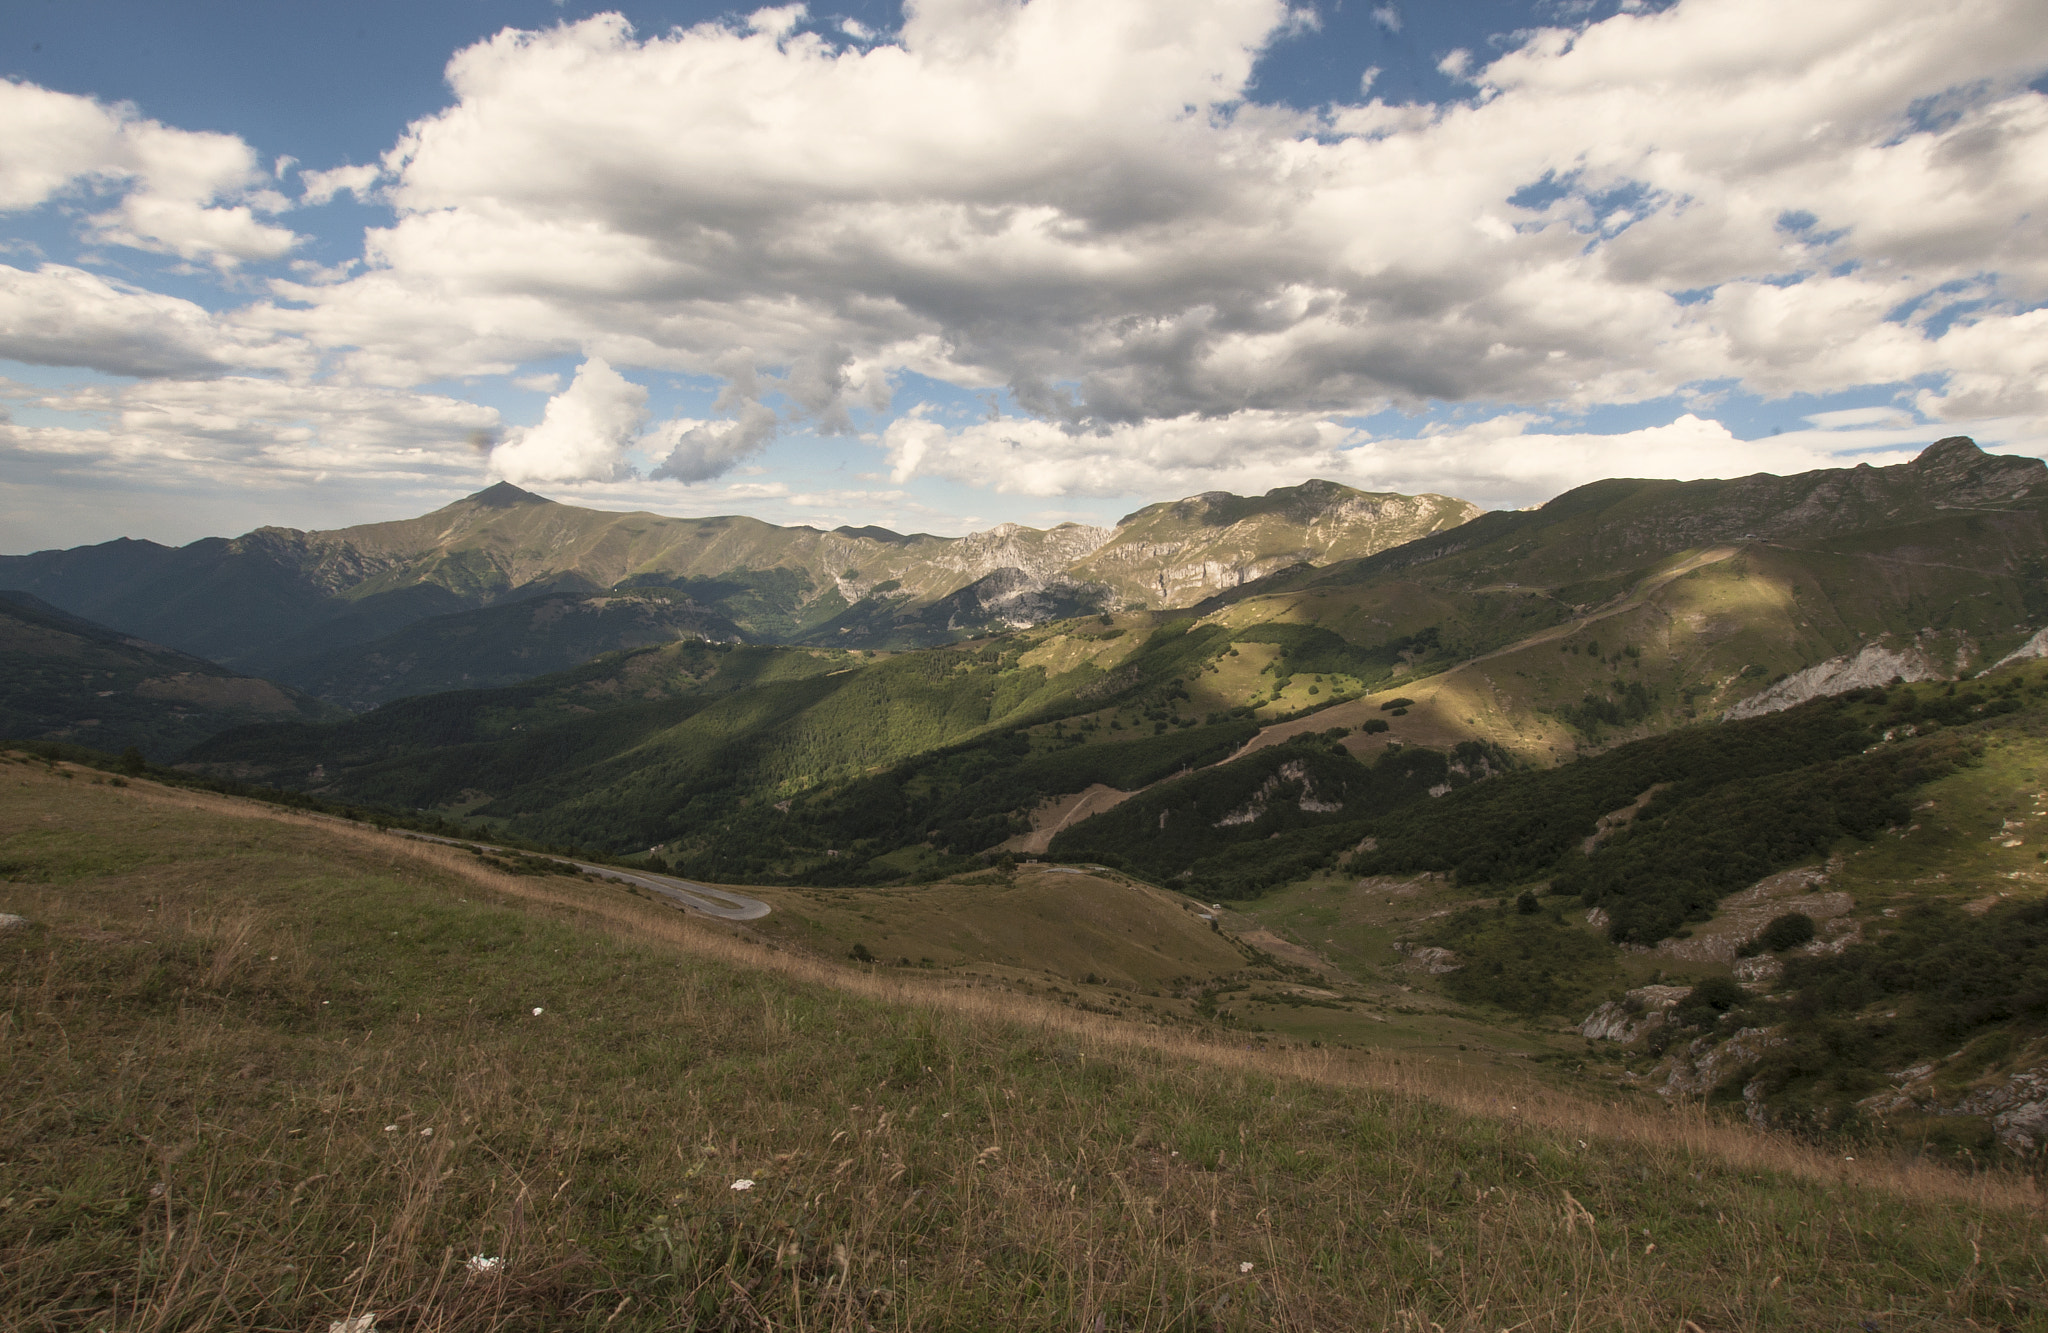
<point x="67" y="679"/>
<point x="270" y="1073"/>
<point x="1628" y="607"/>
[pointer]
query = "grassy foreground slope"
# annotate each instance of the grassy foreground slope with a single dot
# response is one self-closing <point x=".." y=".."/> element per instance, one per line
<point x="269" y="1073"/>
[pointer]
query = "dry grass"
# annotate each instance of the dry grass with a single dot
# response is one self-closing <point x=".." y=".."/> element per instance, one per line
<point x="222" y="1008"/>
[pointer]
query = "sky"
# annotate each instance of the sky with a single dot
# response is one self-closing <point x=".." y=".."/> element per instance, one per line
<point x="947" y="263"/>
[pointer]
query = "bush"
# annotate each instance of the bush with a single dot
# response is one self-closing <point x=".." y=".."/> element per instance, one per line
<point x="1785" y="932"/>
<point x="1706" y="1002"/>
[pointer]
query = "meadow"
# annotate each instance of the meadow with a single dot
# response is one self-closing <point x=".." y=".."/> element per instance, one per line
<point x="272" y="1070"/>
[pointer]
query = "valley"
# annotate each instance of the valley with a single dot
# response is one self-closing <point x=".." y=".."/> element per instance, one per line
<point x="1704" y="818"/>
<point x="332" y="1073"/>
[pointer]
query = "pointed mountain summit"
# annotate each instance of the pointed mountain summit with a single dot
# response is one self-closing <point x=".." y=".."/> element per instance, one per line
<point x="1968" y="475"/>
<point x="504" y="495"/>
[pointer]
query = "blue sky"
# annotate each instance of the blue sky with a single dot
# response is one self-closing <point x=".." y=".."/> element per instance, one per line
<point x="981" y="261"/>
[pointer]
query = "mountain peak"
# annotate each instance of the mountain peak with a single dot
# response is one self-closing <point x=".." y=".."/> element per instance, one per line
<point x="504" y="495"/>
<point x="1951" y="451"/>
<point x="1970" y="475"/>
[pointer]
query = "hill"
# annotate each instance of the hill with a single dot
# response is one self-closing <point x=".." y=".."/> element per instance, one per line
<point x="64" y="678"/>
<point x="283" y="1072"/>
<point x="316" y="609"/>
<point x="872" y="768"/>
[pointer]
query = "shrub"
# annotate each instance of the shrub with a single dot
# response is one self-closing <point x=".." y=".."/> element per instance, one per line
<point x="1784" y="932"/>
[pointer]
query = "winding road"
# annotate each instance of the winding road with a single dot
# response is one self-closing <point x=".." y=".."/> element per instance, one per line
<point x="684" y="893"/>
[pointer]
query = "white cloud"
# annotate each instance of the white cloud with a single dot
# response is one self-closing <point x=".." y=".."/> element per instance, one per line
<point x="1505" y="461"/>
<point x="191" y="194"/>
<point x="701" y="450"/>
<point x="583" y="434"/>
<point x="1516" y="460"/>
<point x="1851" y="418"/>
<point x="1017" y="195"/>
<point x="1248" y="450"/>
<point x="61" y="316"/>
<point x="547" y="382"/>
<point x="1072" y="200"/>
<point x="322" y="186"/>
<point x="238" y="431"/>
<point x="779" y="21"/>
<point x="1387" y="17"/>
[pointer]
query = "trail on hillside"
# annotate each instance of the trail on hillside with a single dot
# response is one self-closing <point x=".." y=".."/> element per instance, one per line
<point x="1501" y="1095"/>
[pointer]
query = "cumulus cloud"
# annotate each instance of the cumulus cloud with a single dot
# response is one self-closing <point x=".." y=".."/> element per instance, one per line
<point x="701" y="450"/>
<point x="1013" y="195"/>
<point x="62" y="316"/>
<point x="583" y="434"/>
<point x="192" y="194"/>
<point x="1074" y="201"/>
<point x="1036" y="457"/>
<point x="322" y="186"/>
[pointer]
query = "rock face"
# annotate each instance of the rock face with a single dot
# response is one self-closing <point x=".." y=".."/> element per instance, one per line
<point x="1178" y="553"/>
<point x="2032" y="648"/>
<point x="1704" y="1063"/>
<point x="2015" y="1103"/>
<point x="1427" y="958"/>
<point x="1309" y="800"/>
<point x="1878" y="664"/>
<point x="1634" y="1016"/>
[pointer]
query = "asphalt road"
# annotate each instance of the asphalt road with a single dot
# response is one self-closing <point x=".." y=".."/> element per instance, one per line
<point x="682" y="892"/>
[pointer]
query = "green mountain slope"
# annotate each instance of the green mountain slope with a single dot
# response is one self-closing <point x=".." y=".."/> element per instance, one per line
<point x="504" y="644"/>
<point x="63" y="678"/>
<point x="851" y="768"/>
<point x="1628" y="607"/>
<point x="315" y="608"/>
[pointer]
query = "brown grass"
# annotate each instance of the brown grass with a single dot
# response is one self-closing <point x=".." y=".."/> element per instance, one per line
<point x="1686" y="1130"/>
<point x="224" y="1006"/>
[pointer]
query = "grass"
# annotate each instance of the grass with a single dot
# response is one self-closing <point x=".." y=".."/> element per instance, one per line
<point x="228" y="1029"/>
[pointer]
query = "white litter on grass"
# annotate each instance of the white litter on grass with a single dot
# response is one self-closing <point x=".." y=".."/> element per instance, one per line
<point x="743" y="1184"/>
<point x="427" y="1133"/>
<point x="538" y="1011"/>
<point x="390" y="1129"/>
<point x="481" y="1264"/>
<point x="1245" y="1267"/>
<point x="365" y="1322"/>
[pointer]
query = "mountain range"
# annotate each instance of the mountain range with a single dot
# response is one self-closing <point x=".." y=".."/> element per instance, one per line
<point x="1591" y="763"/>
<point x="360" y="615"/>
<point x="1618" y="611"/>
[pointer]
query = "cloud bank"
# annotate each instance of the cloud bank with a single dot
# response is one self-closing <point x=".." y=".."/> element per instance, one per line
<point x="1076" y="202"/>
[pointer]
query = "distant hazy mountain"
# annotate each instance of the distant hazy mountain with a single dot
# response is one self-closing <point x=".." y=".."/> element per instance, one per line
<point x="63" y="678"/>
<point x="319" y="609"/>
